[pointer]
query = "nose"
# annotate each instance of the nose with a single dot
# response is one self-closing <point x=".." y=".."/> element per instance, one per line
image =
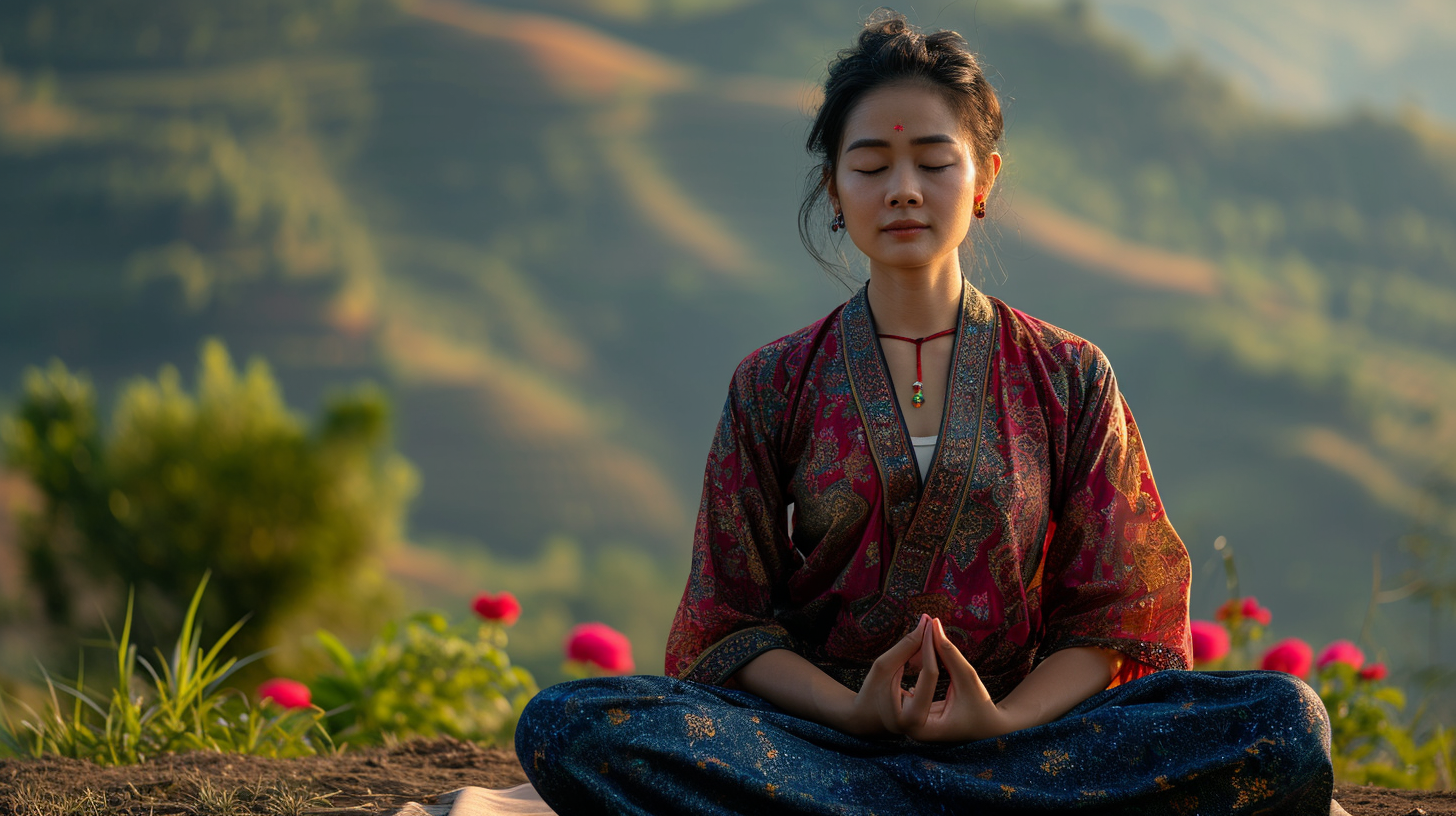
<point x="903" y="190"/>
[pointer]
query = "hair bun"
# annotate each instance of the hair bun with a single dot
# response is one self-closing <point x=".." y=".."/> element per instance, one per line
<point x="884" y="23"/>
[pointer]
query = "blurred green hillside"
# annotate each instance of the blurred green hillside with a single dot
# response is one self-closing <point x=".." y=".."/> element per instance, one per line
<point x="1310" y="55"/>
<point x="553" y="228"/>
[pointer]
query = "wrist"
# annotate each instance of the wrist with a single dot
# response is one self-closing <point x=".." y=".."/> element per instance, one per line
<point x="840" y="712"/>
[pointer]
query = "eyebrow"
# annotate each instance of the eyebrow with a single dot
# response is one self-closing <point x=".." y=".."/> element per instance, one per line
<point x="937" y="138"/>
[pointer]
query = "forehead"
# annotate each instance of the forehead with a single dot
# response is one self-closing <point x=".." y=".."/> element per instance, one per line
<point x="919" y="108"/>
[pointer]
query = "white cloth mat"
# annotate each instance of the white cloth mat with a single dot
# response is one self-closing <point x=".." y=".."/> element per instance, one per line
<point x="522" y="800"/>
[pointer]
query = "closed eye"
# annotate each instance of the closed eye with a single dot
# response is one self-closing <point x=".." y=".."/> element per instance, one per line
<point x="922" y="167"/>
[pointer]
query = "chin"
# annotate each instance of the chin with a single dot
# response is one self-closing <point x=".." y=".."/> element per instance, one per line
<point x="910" y="259"/>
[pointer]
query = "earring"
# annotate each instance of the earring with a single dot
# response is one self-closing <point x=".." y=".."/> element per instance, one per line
<point x="838" y="223"/>
<point x="979" y="210"/>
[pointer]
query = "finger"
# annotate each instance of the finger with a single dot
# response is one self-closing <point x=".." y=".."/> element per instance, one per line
<point x="921" y="638"/>
<point x="883" y="682"/>
<point x="914" y="713"/>
<point x="937" y="720"/>
<point x="896" y="656"/>
<point x="961" y="671"/>
<point x="888" y="669"/>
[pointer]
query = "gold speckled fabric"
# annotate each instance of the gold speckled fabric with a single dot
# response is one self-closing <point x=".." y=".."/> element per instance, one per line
<point x="1171" y="742"/>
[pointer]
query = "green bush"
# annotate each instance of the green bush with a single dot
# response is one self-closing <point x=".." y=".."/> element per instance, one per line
<point x="225" y="480"/>
<point x="424" y="678"/>
<point x="1369" y="743"/>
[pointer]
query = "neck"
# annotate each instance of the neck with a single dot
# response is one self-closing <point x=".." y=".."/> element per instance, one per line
<point x="916" y="302"/>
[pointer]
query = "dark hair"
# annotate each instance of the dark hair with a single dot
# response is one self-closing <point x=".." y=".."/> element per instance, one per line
<point x="890" y="50"/>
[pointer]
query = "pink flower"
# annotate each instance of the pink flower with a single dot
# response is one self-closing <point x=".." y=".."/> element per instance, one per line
<point x="1288" y="655"/>
<point x="1251" y="610"/>
<point x="1210" y="641"/>
<point x="600" y="644"/>
<point x="1341" y="651"/>
<point x="1241" y="608"/>
<point x="1374" y="671"/>
<point x="285" y="692"/>
<point x="503" y="607"/>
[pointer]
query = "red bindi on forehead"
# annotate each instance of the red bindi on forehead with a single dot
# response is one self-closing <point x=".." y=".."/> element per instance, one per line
<point x="899" y="126"/>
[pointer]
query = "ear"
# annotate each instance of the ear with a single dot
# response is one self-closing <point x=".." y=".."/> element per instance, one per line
<point x="830" y="188"/>
<point x="990" y="180"/>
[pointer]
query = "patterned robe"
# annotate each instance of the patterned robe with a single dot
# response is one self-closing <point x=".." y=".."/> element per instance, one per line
<point x="1037" y="528"/>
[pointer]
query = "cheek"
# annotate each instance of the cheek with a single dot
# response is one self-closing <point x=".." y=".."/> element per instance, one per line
<point x="963" y="183"/>
<point x="960" y="195"/>
<point x="856" y="188"/>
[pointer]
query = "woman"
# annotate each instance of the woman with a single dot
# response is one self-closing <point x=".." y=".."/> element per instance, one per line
<point x="970" y="501"/>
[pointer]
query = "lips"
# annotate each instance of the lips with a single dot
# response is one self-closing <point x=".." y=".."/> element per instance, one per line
<point x="904" y="228"/>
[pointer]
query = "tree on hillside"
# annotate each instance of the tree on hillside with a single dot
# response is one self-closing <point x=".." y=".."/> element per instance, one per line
<point x="226" y="479"/>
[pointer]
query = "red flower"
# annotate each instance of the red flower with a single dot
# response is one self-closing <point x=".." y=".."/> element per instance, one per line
<point x="1341" y="651"/>
<point x="1210" y="641"/>
<point x="600" y="644"/>
<point x="1251" y="609"/>
<point x="1374" y="671"/>
<point x="503" y="607"/>
<point x="1288" y="655"/>
<point x="1226" y="610"/>
<point x="285" y="692"/>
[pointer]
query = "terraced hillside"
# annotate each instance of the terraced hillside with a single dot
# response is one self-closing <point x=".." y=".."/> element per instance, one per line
<point x="551" y="229"/>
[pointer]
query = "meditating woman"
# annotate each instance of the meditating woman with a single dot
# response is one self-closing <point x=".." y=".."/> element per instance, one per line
<point x="927" y="482"/>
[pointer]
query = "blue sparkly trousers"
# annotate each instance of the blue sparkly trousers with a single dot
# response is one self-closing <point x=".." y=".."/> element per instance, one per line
<point x="1172" y="742"/>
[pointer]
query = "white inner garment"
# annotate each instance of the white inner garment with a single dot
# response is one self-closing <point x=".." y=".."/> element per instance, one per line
<point x="924" y="452"/>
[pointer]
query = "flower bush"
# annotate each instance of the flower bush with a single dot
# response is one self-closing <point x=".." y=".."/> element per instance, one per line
<point x="424" y="678"/>
<point x="420" y="677"/>
<point x="1368" y="743"/>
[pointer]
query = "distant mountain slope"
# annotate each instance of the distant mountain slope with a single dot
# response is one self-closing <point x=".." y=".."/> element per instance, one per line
<point x="553" y="232"/>
<point x="1315" y="56"/>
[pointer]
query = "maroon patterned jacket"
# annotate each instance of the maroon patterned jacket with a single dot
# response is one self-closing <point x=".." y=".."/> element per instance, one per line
<point x="1038" y="528"/>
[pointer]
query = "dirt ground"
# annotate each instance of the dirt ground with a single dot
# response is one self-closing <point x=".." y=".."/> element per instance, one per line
<point x="379" y="780"/>
<point x="376" y="780"/>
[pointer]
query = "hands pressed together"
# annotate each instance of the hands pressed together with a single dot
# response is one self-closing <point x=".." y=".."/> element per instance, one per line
<point x="883" y="707"/>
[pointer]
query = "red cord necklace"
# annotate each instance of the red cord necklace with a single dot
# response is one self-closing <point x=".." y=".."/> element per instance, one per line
<point x="919" y="398"/>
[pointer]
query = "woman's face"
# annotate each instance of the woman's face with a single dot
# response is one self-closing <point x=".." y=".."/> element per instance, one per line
<point x="904" y="158"/>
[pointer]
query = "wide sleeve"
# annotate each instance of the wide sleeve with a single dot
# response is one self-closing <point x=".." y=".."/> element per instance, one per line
<point x="740" y="546"/>
<point x="1116" y="575"/>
